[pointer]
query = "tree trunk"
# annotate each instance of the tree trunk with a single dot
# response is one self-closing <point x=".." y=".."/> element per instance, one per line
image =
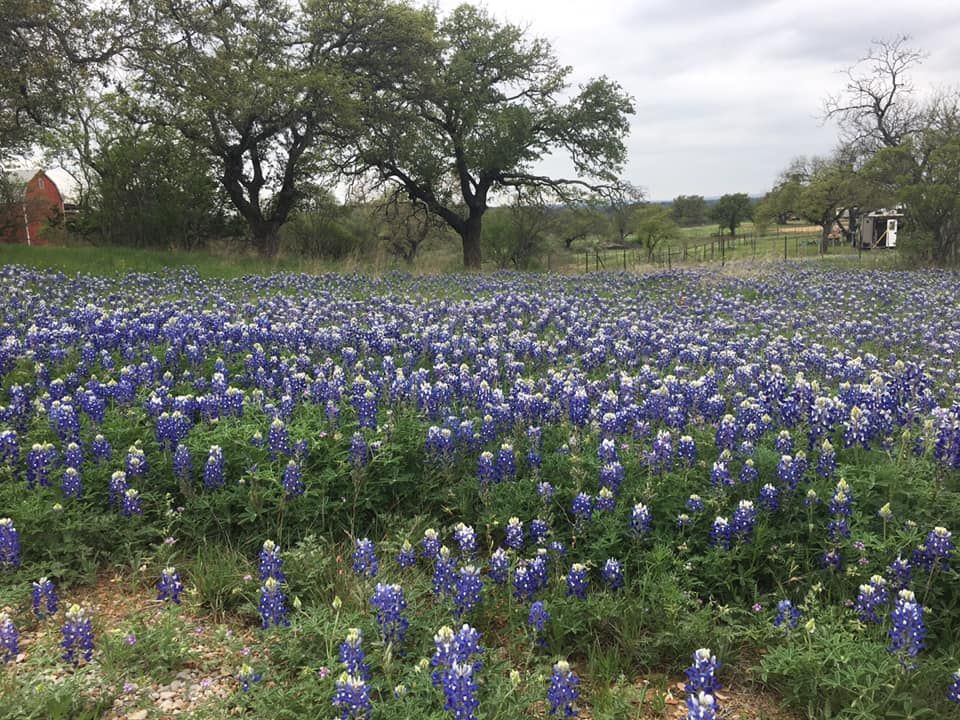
<point x="825" y="231"/>
<point x="266" y="238"/>
<point x="470" y="234"/>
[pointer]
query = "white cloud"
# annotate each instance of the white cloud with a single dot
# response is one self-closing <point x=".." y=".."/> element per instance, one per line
<point x="729" y="91"/>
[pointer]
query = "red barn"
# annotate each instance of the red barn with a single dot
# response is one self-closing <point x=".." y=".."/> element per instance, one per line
<point x="35" y="204"/>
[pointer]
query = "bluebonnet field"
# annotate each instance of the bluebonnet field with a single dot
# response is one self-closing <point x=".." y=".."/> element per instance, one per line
<point x="488" y="496"/>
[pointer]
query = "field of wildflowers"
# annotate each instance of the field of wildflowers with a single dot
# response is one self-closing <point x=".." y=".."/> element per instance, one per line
<point x="612" y="496"/>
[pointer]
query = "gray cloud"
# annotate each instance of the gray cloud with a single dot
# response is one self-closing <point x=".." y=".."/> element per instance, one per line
<point x="729" y="91"/>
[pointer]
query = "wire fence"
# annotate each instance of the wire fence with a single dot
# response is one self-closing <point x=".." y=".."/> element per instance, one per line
<point x="783" y="245"/>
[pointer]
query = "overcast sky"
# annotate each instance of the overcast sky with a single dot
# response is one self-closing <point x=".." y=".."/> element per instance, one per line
<point x="729" y="91"/>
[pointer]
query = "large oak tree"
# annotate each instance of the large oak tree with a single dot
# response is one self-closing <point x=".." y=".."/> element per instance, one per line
<point x="483" y="107"/>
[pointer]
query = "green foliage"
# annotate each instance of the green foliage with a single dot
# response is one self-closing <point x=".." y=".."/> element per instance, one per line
<point x="689" y="210"/>
<point x="651" y="226"/>
<point x="731" y="210"/>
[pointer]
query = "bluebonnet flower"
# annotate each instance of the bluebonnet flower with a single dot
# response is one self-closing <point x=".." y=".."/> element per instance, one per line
<point x="117" y="487"/>
<point x="660" y="457"/>
<point x="784" y="443"/>
<point x="460" y="691"/>
<point x="39" y="463"/>
<point x="539" y="531"/>
<point x="832" y="560"/>
<point x="683" y="521"/>
<point x="77" y="636"/>
<point x="900" y="572"/>
<point x="430" y="545"/>
<point x="872" y="597"/>
<point x="390" y="603"/>
<point x="907" y="629"/>
<point x="687" y="450"/>
<point x="514" y="534"/>
<point x="720" y="473"/>
<point x="292" y="480"/>
<point x="613" y="573"/>
<point x="486" y="472"/>
<point x="607" y="451"/>
<point x="213" y="470"/>
<point x="827" y="460"/>
<point x="130" y="505"/>
<point x="505" y="465"/>
<point x="885" y="513"/>
<point x="247" y="677"/>
<point x="788" y="616"/>
<point x="748" y="473"/>
<point x="695" y="504"/>
<point x="701" y="706"/>
<point x="9" y="638"/>
<point x="9" y="447"/>
<point x="563" y="692"/>
<point x="640" y="519"/>
<point x="468" y="590"/>
<point x="702" y="674"/>
<point x="770" y="498"/>
<point x="611" y="476"/>
<point x="811" y="499"/>
<point x="720" y="533"/>
<point x="577" y="581"/>
<point x="71" y="484"/>
<point x="364" y="558"/>
<point x="545" y="491"/>
<point x="169" y="586"/>
<point x="44" y="598"/>
<point x="525" y="582"/>
<point x="450" y="648"/>
<point x="73" y="456"/>
<point x="582" y="508"/>
<point x="273" y="604"/>
<point x="726" y="433"/>
<point x="359" y="451"/>
<point x="466" y="538"/>
<point x="838" y="528"/>
<point x="538" y="617"/>
<point x="499" y="566"/>
<point x="444" y="577"/>
<point x="278" y="439"/>
<point x="9" y="545"/>
<point x="787" y="473"/>
<point x="744" y="520"/>
<point x="352" y="656"/>
<point x="182" y="464"/>
<point x="953" y="692"/>
<point x="271" y="564"/>
<point x="407" y="557"/>
<point x="100" y="448"/>
<point x="352" y="697"/>
<point x="857" y="428"/>
<point x="605" y="501"/>
<point x="136" y="461"/>
<point x="842" y="501"/>
<point x="939" y="547"/>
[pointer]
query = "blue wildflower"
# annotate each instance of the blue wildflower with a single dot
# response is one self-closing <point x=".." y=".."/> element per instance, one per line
<point x="364" y="558"/>
<point x="44" y="598"/>
<point x="77" y="636"/>
<point x="271" y="564"/>
<point x="702" y="674"/>
<point x="390" y="603"/>
<point x="9" y="638"/>
<point x="352" y="656"/>
<point x="247" y="677"/>
<point x="788" y="616"/>
<point x="273" y="608"/>
<point x="352" y="697"/>
<point x="292" y="480"/>
<point x="577" y="581"/>
<point x="907" y="629"/>
<point x="407" y="557"/>
<point x="468" y="588"/>
<point x="563" y="692"/>
<point x="640" y="519"/>
<point x="514" y="538"/>
<point x="499" y="566"/>
<point x="213" y="471"/>
<point x="9" y="545"/>
<point x="169" y="586"/>
<point x="613" y="573"/>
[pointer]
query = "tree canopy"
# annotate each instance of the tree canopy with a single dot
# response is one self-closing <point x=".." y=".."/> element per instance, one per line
<point x="731" y="210"/>
<point x="486" y="103"/>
